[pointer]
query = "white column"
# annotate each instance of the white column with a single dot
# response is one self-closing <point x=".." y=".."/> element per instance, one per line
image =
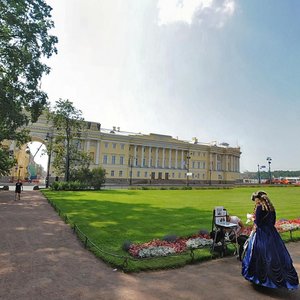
<point x="98" y="153"/>
<point x="156" y="157"/>
<point x="149" y="158"/>
<point x="87" y="146"/>
<point x="134" y="156"/>
<point x="170" y="158"/>
<point x="176" y="159"/>
<point x="142" y="162"/>
<point x="163" y="158"/>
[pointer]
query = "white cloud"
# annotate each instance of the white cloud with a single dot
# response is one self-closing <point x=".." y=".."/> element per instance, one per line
<point x="214" y="12"/>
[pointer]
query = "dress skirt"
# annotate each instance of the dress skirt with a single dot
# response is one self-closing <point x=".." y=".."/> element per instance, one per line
<point x="267" y="261"/>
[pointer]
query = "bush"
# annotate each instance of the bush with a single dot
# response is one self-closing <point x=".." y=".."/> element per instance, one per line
<point x="170" y="238"/>
<point x="69" y="186"/>
<point x="126" y="245"/>
<point x="36" y="187"/>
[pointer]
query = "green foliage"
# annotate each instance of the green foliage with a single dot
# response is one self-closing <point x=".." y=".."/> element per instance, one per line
<point x="83" y="179"/>
<point x="68" y="186"/>
<point x="92" y="178"/>
<point x="275" y="174"/>
<point x="24" y="42"/>
<point x="69" y="125"/>
<point x="112" y="217"/>
<point x="97" y="178"/>
<point x="6" y="162"/>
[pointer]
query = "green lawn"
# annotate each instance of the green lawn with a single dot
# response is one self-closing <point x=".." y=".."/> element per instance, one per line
<point x="111" y="217"/>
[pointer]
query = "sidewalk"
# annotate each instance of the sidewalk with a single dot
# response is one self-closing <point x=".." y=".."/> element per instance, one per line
<point x="41" y="259"/>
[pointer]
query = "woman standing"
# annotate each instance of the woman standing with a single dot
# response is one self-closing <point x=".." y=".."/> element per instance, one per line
<point x="267" y="261"/>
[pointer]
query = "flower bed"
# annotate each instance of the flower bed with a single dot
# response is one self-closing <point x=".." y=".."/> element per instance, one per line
<point x="287" y="225"/>
<point x="158" y="248"/>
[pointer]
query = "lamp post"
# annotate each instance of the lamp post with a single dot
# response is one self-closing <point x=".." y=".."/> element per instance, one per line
<point x="188" y="157"/>
<point x="269" y="159"/>
<point x="258" y="173"/>
<point x="210" y="170"/>
<point x="19" y="173"/>
<point x="48" y="138"/>
<point x="67" y="174"/>
<point x="130" y="165"/>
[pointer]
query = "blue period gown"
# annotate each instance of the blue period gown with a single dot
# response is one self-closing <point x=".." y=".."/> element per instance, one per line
<point x="267" y="261"/>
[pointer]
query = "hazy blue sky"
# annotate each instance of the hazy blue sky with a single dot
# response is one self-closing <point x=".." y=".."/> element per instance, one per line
<point x="225" y="71"/>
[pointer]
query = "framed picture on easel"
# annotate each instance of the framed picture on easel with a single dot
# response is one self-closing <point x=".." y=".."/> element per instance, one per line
<point x="220" y="215"/>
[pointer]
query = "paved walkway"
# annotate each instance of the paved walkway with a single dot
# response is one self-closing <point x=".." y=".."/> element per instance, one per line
<point x="41" y="259"/>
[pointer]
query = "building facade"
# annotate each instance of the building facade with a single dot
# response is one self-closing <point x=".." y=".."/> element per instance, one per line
<point x="140" y="158"/>
<point x="156" y="157"/>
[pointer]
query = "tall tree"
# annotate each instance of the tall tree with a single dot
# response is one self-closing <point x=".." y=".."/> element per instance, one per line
<point x="69" y="126"/>
<point x="24" y="43"/>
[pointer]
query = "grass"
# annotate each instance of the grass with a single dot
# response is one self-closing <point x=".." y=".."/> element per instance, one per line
<point x="111" y="217"/>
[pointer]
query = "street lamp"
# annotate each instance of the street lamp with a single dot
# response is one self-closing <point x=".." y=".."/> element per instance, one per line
<point x="210" y="170"/>
<point x="269" y="159"/>
<point x="48" y="138"/>
<point x="67" y="174"/>
<point x="188" y="157"/>
<point x="130" y="165"/>
<point x="19" y="173"/>
<point x="258" y="173"/>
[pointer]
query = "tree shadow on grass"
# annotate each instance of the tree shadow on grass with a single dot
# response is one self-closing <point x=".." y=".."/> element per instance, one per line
<point x="112" y="223"/>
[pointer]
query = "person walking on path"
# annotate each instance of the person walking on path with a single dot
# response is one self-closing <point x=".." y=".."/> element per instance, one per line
<point x="19" y="187"/>
<point x="267" y="261"/>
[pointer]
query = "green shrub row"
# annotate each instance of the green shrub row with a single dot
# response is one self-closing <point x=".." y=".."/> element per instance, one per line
<point x="69" y="186"/>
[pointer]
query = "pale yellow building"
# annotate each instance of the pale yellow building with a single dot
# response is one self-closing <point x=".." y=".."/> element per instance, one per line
<point x="153" y="158"/>
<point x="19" y="171"/>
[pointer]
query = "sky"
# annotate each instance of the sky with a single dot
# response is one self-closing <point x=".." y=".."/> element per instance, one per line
<point x="219" y="70"/>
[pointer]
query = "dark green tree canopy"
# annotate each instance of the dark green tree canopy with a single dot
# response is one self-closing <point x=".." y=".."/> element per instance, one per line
<point x="24" y="43"/>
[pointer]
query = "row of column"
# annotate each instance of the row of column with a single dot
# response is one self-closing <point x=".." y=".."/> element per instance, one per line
<point x="233" y="164"/>
<point x="178" y="153"/>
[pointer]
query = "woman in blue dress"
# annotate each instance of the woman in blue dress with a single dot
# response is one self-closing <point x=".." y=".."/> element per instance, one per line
<point x="267" y="261"/>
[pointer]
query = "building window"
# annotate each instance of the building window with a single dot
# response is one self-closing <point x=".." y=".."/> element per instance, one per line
<point x="105" y="159"/>
<point x="146" y="174"/>
<point x="179" y="175"/>
<point x="138" y="174"/>
<point x="106" y="145"/>
<point x="173" y="175"/>
<point x="121" y="160"/>
<point x="112" y="173"/>
<point x="122" y="146"/>
<point x="114" y="145"/>
<point x="120" y="173"/>
<point x="144" y="162"/>
<point x="113" y="159"/>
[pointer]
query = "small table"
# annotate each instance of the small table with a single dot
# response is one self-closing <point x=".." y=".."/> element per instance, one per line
<point x="221" y="227"/>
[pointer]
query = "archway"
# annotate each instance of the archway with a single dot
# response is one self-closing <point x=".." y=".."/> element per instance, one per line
<point x="38" y="162"/>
